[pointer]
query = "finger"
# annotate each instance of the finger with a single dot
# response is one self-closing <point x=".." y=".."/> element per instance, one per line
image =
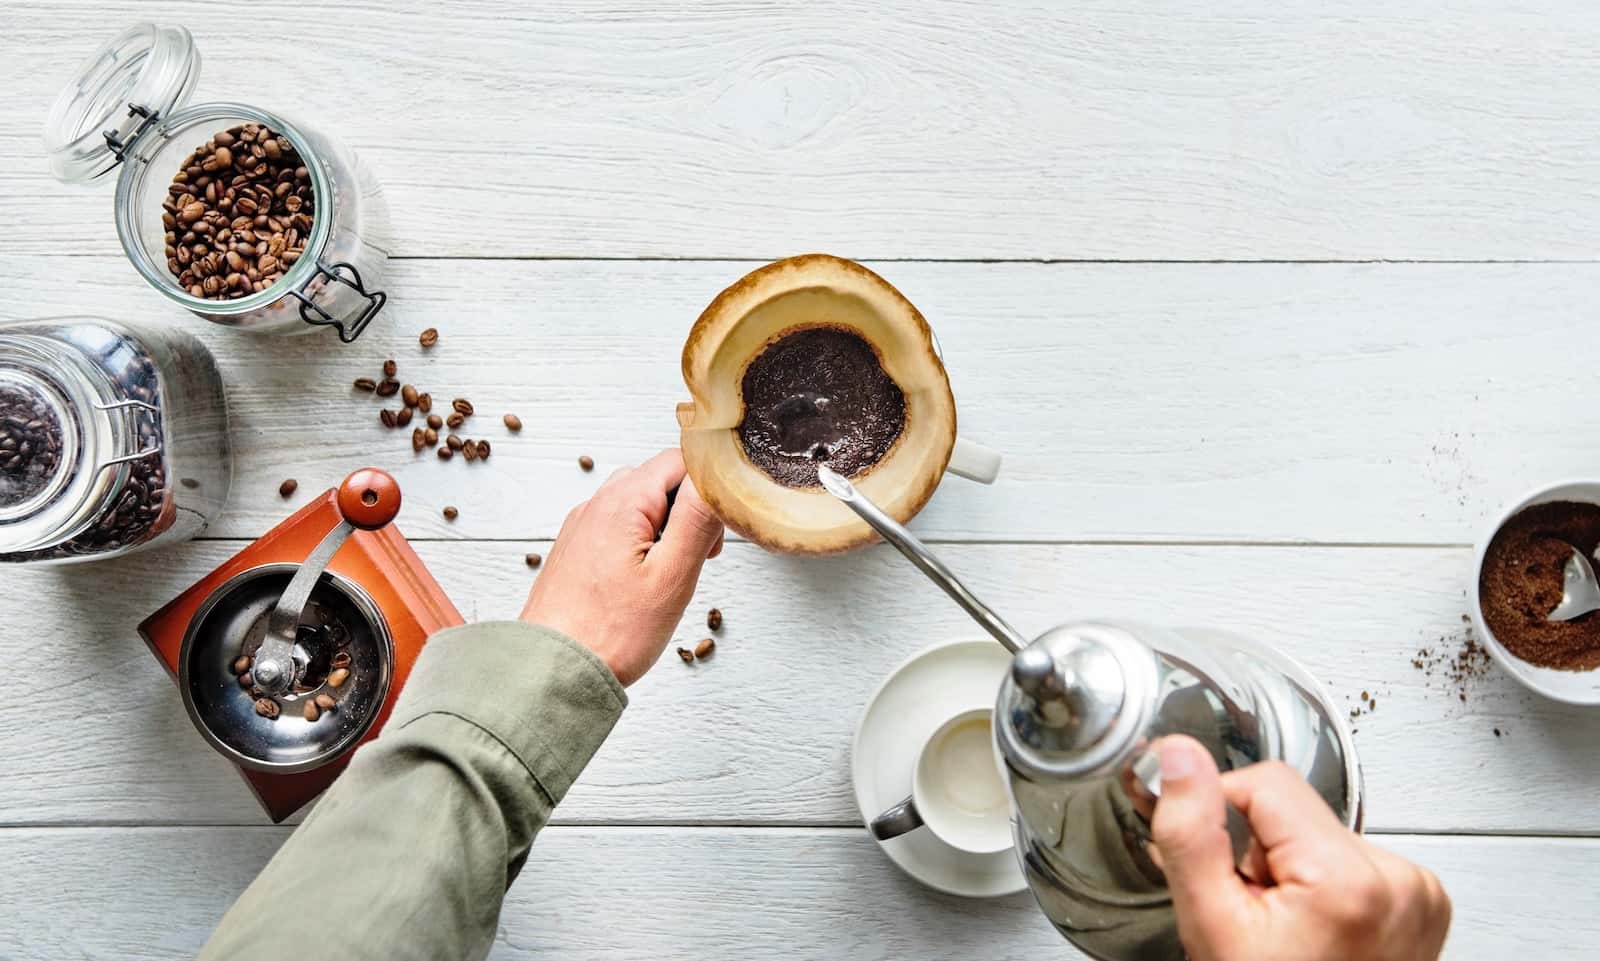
<point x="691" y="534"/>
<point x="1195" y="852"/>
<point x="1281" y="806"/>
<point x="716" y="549"/>
<point x="654" y="479"/>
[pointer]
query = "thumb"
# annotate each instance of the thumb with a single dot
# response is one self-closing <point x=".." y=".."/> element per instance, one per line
<point x="1193" y="843"/>
<point x="692" y="534"/>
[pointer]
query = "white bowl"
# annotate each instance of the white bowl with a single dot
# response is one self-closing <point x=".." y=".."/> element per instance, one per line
<point x="1571" y="687"/>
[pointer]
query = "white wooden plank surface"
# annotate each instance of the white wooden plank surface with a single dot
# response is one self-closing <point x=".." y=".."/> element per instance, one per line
<point x="1332" y="403"/>
<point x="1123" y="129"/>
<point x="714" y="894"/>
<point x="760" y="734"/>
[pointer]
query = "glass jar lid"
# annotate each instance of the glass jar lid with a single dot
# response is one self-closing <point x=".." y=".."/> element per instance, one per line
<point x="141" y="75"/>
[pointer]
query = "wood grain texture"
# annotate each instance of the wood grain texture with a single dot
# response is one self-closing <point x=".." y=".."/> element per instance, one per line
<point x="93" y="732"/>
<point x="706" y="894"/>
<point x="1117" y="129"/>
<point x="1330" y="403"/>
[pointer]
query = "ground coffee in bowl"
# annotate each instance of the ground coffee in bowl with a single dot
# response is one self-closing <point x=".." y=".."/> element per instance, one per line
<point x="1520" y="583"/>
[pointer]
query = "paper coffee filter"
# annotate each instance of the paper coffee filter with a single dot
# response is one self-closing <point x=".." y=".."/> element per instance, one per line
<point x="807" y="291"/>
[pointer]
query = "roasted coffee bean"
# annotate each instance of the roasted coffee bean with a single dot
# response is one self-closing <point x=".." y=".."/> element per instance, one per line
<point x="462" y="406"/>
<point x="431" y="436"/>
<point x="714" y="619"/>
<point x="388" y="387"/>
<point x="386" y="416"/>
<point x="455" y="420"/>
<point x="419" y="439"/>
<point x="446" y="453"/>
<point x="686" y="655"/>
<point x="513" y="422"/>
<point x="454" y="442"/>
<point x="325" y="701"/>
<point x="425" y="403"/>
<point x="435" y="421"/>
<point x="241" y="664"/>
<point x="450" y="513"/>
<point x="402" y="417"/>
<point x="409" y="395"/>
<point x="429" y="337"/>
<point x="190" y="483"/>
<point x="338" y="676"/>
<point x="287" y="488"/>
<point x="390" y="368"/>
<point x="268" y="708"/>
<point x="246" y="681"/>
<point x="483" y="450"/>
<point x="586" y="462"/>
<point x="533" y="560"/>
<point x="469" y="450"/>
<point x="341" y="659"/>
<point x="705" y="647"/>
<point x="365" y="383"/>
<point x="311" y="712"/>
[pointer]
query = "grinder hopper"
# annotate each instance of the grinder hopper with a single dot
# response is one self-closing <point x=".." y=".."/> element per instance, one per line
<point x="331" y="608"/>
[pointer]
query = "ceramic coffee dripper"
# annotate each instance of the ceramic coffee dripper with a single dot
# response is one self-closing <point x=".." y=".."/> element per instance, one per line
<point x="780" y="298"/>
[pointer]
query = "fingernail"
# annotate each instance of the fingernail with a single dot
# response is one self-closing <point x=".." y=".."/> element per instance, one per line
<point x="1177" y="761"/>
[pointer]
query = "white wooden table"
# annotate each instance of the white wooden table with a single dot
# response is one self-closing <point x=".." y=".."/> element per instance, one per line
<point x="1273" y="305"/>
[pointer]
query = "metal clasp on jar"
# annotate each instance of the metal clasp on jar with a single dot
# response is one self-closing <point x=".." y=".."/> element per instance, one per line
<point x="312" y="313"/>
<point x="136" y="455"/>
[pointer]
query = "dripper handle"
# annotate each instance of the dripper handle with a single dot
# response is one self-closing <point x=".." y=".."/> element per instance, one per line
<point x="368" y="499"/>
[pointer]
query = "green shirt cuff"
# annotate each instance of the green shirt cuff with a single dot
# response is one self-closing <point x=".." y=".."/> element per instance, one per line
<point x="546" y="697"/>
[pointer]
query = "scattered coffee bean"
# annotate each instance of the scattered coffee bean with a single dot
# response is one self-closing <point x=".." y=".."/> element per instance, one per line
<point x="704" y="648"/>
<point x="367" y="384"/>
<point x="429" y="337"/>
<point x="586" y="462"/>
<point x="408" y="395"/>
<point x="387" y="417"/>
<point x="714" y="619"/>
<point x="513" y="422"/>
<point x="325" y="701"/>
<point x="241" y="664"/>
<point x="435" y="421"/>
<point x="268" y="708"/>
<point x="287" y="488"/>
<point x="189" y="482"/>
<point x="311" y="711"/>
<point x="430" y="436"/>
<point x="483" y="450"/>
<point x="445" y="453"/>
<point x="402" y="417"/>
<point x="390" y="368"/>
<point x="338" y="677"/>
<point x="469" y="450"/>
<point x="455" y="420"/>
<point x="462" y="406"/>
<point x="425" y="402"/>
<point x="686" y="655"/>
<point x="388" y="387"/>
<point x="450" y="513"/>
<point x="533" y="560"/>
<point x="341" y="659"/>
<point x="419" y="439"/>
<point x="454" y="442"/>
<point x="246" y="682"/>
<point x="243" y="206"/>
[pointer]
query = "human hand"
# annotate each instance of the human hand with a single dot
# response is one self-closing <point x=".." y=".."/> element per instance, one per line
<point x="1310" y="889"/>
<point x="609" y="584"/>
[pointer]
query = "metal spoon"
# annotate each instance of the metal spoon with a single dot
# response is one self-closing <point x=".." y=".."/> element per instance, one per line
<point x="917" y="553"/>
<point x="1580" y="590"/>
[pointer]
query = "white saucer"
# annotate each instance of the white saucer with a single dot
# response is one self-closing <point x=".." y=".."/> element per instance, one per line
<point x="912" y="702"/>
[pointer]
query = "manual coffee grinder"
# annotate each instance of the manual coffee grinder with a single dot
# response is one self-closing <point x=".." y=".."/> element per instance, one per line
<point x="291" y="654"/>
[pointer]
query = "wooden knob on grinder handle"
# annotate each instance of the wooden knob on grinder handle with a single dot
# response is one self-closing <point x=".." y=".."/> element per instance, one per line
<point x="368" y="499"/>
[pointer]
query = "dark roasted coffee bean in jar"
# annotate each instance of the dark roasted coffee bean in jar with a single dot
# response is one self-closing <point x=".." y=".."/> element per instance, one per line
<point x="113" y="438"/>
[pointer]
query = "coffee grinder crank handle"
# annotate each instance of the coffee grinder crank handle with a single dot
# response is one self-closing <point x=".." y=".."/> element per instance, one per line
<point x="367" y="500"/>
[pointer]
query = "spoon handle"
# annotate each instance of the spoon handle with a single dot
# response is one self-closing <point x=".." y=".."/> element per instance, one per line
<point x="917" y="553"/>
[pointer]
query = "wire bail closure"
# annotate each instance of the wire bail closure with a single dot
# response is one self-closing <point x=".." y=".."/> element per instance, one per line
<point x="119" y="147"/>
<point x="312" y="313"/>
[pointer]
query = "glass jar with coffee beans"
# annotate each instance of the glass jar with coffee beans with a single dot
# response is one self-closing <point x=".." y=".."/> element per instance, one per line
<point x="234" y="212"/>
<point x="113" y="438"/>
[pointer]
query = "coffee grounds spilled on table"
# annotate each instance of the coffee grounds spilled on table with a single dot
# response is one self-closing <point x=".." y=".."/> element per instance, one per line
<point x="1521" y="583"/>
<point x="819" y="394"/>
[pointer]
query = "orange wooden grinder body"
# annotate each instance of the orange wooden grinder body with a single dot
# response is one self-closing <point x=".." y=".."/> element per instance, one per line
<point x="380" y="561"/>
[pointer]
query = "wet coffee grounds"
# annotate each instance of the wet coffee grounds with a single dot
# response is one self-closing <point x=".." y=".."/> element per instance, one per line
<point x="1521" y="580"/>
<point x="819" y="394"/>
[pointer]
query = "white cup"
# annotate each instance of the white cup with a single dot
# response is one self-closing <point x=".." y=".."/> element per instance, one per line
<point x="956" y="791"/>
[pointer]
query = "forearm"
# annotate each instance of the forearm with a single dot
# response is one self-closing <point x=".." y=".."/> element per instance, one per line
<point x="409" y="854"/>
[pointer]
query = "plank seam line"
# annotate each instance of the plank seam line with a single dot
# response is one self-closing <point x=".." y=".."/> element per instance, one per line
<point x="1046" y="261"/>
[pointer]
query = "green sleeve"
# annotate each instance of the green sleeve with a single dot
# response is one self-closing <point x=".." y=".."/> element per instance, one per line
<point x="410" y="852"/>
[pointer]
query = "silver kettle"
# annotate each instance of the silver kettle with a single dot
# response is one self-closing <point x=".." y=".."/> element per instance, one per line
<point x="1073" y="725"/>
